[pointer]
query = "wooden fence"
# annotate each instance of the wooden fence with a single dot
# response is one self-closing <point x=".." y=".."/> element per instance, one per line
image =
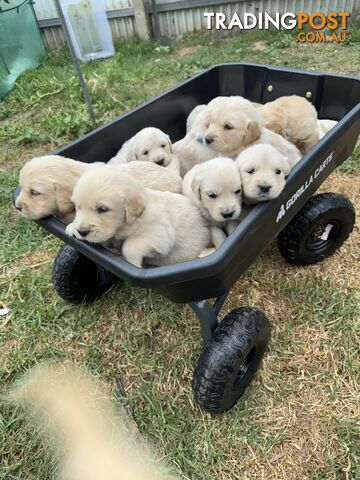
<point x="177" y="17"/>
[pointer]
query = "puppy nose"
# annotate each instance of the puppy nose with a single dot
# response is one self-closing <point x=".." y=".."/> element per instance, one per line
<point x="209" y="140"/>
<point x="18" y="207"/>
<point x="227" y="215"/>
<point x="83" y="232"/>
<point x="264" y="188"/>
<point x="160" y="162"/>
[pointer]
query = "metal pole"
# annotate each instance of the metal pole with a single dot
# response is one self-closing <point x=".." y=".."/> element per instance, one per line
<point x="156" y="22"/>
<point x="75" y="61"/>
<point x="207" y="317"/>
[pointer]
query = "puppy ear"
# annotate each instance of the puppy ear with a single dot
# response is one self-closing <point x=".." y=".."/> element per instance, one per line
<point x="134" y="208"/>
<point x="63" y="199"/>
<point x="286" y="167"/>
<point x="253" y="133"/>
<point x="195" y="187"/>
<point x="200" y="123"/>
<point x="131" y="156"/>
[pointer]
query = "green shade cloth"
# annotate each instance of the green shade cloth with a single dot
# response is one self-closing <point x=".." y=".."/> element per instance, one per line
<point x="21" y="44"/>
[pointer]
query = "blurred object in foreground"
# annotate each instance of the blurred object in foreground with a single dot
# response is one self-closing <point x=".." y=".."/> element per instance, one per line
<point x="90" y="436"/>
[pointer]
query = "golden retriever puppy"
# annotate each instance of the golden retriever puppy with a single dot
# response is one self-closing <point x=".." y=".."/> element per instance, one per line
<point x="149" y="145"/>
<point x="286" y="148"/>
<point x="153" y="176"/>
<point x="191" y="150"/>
<point x="215" y="187"/>
<point x="46" y="185"/>
<point x="93" y="438"/>
<point x="263" y="171"/>
<point x="324" y="126"/>
<point x="234" y="123"/>
<point x="158" y="227"/>
<point x="293" y="117"/>
<point x="192" y="116"/>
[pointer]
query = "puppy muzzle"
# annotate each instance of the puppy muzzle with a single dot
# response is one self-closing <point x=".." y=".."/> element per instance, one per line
<point x="228" y="215"/>
<point x="15" y="195"/>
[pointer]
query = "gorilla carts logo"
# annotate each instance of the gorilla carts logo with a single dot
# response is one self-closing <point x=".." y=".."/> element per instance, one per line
<point x="281" y="213"/>
<point x="285" y="207"/>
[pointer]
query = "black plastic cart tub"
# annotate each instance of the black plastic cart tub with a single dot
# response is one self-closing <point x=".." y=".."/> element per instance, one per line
<point x="238" y="343"/>
<point x="334" y="96"/>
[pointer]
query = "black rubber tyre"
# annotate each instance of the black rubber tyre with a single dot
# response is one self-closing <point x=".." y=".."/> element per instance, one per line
<point x="318" y="229"/>
<point x="76" y="278"/>
<point x="230" y="359"/>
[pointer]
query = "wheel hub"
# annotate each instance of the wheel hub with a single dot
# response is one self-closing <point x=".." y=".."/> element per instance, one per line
<point x="322" y="236"/>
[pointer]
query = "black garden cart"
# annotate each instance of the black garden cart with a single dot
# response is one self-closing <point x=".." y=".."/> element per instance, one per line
<point x="309" y="228"/>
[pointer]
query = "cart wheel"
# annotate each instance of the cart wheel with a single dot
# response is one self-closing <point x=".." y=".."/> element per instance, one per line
<point x="318" y="230"/>
<point x="76" y="278"/>
<point x="230" y="359"/>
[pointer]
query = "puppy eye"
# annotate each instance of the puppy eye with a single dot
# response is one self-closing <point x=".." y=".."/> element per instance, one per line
<point x="163" y="145"/>
<point x="277" y="171"/>
<point x="228" y="127"/>
<point x="212" y="195"/>
<point x="238" y="192"/>
<point x="34" y="193"/>
<point x="145" y="152"/>
<point x="252" y="170"/>
<point x="102" y="210"/>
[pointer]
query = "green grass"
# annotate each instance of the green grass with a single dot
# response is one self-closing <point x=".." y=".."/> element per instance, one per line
<point x="298" y="418"/>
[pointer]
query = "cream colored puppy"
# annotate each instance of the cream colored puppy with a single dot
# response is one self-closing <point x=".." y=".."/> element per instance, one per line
<point x="153" y="176"/>
<point x="158" y="227"/>
<point x="294" y="118"/>
<point x="191" y="150"/>
<point x="234" y="123"/>
<point x="262" y="170"/>
<point x="47" y="184"/>
<point x="286" y="148"/>
<point x="149" y="145"/>
<point x="215" y="187"/>
<point x="193" y="115"/>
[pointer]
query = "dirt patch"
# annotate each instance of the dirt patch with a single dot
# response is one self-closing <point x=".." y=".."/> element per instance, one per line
<point x="30" y="261"/>
<point x="12" y="157"/>
<point x="183" y="52"/>
<point x="35" y="259"/>
<point x="259" y="46"/>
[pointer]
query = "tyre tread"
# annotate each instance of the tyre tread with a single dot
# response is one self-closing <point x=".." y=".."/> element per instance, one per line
<point x="68" y="264"/>
<point x="317" y="206"/>
<point x="215" y="365"/>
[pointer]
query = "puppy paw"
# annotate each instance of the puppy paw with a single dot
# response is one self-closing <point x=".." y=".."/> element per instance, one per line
<point x="230" y="227"/>
<point x="218" y="237"/>
<point x="132" y="254"/>
<point x="134" y="260"/>
<point x="70" y="230"/>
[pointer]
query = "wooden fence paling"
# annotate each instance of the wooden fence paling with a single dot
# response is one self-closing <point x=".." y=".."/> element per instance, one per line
<point x="142" y="23"/>
<point x="177" y="17"/>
